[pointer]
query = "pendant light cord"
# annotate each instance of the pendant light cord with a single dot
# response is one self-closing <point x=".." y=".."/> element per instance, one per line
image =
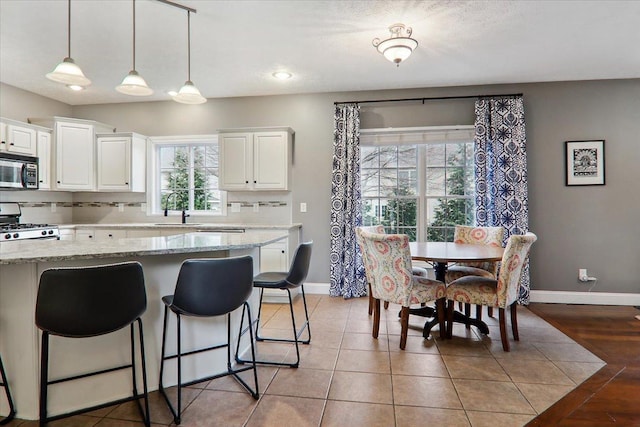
<point x="134" y="35"/>
<point x="189" y="45"/>
<point x="69" y="29"/>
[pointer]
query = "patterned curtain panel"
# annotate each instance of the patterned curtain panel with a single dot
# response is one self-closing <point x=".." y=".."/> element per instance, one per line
<point x="501" y="170"/>
<point x="347" y="272"/>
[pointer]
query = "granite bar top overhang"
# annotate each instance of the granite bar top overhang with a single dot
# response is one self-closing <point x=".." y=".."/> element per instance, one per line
<point x="27" y="251"/>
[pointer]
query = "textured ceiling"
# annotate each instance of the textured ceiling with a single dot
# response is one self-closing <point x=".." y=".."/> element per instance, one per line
<point x="237" y="45"/>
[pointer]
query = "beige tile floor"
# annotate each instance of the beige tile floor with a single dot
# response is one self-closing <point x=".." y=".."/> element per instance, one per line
<point x="347" y="378"/>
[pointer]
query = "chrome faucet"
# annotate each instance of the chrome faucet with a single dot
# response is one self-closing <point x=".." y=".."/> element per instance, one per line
<point x="166" y="208"/>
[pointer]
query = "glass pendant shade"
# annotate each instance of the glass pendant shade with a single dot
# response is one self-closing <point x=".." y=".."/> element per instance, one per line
<point x="69" y="73"/>
<point x="189" y="94"/>
<point x="133" y="84"/>
<point x="398" y="49"/>
<point x="399" y="46"/>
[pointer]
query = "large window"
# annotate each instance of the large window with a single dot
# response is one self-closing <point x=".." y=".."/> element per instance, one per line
<point x="422" y="190"/>
<point x="185" y="175"/>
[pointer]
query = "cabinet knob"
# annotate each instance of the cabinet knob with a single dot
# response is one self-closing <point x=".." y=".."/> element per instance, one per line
<point x="255" y="182"/>
<point x="246" y="182"/>
<point x="40" y="181"/>
<point x="11" y="143"/>
<point x="3" y="142"/>
<point x="91" y="237"/>
<point x="282" y="251"/>
<point x="110" y="235"/>
<point x="58" y="182"/>
<point x="126" y="183"/>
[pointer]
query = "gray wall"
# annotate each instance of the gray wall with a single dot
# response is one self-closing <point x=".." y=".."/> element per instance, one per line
<point x="578" y="227"/>
<point x="18" y="104"/>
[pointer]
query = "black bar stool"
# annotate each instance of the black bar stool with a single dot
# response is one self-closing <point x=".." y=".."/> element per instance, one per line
<point x="207" y="288"/>
<point x="88" y="302"/>
<point x="7" y="392"/>
<point x="285" y="281"/>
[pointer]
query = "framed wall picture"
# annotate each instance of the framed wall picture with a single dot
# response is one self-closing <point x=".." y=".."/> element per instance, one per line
<point x="584" y="162"/>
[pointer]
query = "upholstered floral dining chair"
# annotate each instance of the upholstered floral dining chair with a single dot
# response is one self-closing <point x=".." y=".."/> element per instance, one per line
<point x="501" y="292"/>
<point x="389" y="270"/>
<point x="491" y="236"/>
<point x="416" y="271"/>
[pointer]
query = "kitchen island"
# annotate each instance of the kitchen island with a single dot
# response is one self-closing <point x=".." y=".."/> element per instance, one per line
<point x="21" y="264"/>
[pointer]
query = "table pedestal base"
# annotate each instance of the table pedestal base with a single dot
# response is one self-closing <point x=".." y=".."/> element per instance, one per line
<point x="440" y="269"/>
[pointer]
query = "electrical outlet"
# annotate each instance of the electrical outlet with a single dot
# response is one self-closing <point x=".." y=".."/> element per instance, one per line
<point x="54" y="207"/>
<point x="120" y="207"/>
<point x="235" y="207"/>
<point x="256" y="207"/>
<point x="582" y="275"/>
<point x="303" y="207"/>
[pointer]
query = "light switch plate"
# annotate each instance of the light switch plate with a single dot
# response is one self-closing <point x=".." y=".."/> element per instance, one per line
<point x="303" y="207"/>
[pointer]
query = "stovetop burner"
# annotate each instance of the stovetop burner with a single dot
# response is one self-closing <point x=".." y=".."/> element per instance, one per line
<point x="12" y="229"/>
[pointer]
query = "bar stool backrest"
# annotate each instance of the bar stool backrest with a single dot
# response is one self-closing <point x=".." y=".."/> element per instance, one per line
<point x="90" y="301"/>
<point x="300" y="265"/>
<point x="213" y="286"/>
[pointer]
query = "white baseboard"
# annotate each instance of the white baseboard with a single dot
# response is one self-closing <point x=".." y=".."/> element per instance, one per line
<point x="316" y="288"/>
<point x="593" y="298"/>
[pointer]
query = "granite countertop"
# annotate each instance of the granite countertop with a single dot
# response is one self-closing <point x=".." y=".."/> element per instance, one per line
<point x="25" y="251"/>
<point x="187" y="226"/>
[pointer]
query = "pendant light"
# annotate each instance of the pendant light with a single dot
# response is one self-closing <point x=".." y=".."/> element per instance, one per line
<point x="67" y="72"/>
<point x="189" y="94"/>
<point x="398" y="46"/>
<point x="133" y="84"/>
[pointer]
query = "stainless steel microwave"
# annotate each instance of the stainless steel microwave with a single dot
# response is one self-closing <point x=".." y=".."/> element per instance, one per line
<point x="18" y="172"/>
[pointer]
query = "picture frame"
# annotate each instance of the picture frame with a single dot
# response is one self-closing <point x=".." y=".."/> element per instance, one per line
<point x="584" y="162"/>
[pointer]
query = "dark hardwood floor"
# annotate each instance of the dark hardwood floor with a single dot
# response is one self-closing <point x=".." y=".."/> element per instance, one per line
<point x="612" y="395"/>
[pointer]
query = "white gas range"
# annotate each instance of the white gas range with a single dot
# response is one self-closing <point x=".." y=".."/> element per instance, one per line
<point x="11" y="229"/>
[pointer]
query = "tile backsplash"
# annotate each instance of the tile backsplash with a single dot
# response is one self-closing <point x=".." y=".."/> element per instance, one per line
<point x="94" y="208"/>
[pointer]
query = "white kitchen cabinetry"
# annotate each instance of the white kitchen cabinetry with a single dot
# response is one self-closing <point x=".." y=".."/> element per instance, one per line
<point x="255" y="159"/>
<point x="74" y="150"/>
<point x="44" y="159"/>
<point x="85" y="234"/>
<point x="121" y="162"/>
<point x="108" y="234"/>
<point x="275" y="257"/>
<point x="18" y="137"/>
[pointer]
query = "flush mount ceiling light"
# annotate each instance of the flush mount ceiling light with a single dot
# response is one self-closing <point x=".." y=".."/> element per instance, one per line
<point x="282" y="75"/>
<point x="67" y="72"/>
<point x="133" y="83"/>
<point x="399" y="46"/>
<point x="189" y="93"/>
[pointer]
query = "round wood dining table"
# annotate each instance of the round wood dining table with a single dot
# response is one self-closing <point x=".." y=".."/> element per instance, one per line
<point x="441" y="254"/>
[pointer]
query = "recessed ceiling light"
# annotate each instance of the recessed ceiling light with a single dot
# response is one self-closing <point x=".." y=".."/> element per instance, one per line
<point x="172" y="92"/>
<point x="282" y="75"/>
<point x="75" y="87"/>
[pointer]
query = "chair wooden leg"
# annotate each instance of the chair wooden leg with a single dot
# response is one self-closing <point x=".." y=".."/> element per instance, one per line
<point x="459" y="306"/>
<point x="490" y="311"/>
<point x="376" y="318"/>
<point x="514" y="321"/>
<point x="404" y="324"/>
<point x="386" y="305"/>
<point x="370" y="300"/>
<point x="503" y="329"/>
<point x="450" y="307"/>
<point x="479" y="312"/>
<point x="441" y="308"/>
<point x="467" y="313"/>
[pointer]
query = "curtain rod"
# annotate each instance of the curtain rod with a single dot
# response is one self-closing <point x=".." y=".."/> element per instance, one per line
<point x="437" y="98"/>
<point x="170" y="3"/>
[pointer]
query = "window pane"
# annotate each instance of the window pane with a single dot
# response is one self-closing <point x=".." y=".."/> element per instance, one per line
<point x="407" y="156"/>
<point x="455" y="181"/>
<point x="435" y="181"/>
<point x="211" y="160"/>
<point x="388" y="157"/>
<point x="369" y="182"/>
<point x="368" y="157"/>
<point x="388" y="182"/>
<point x="407" y="182"/>
<point x="455" y="154"/>
<point x="435" y="154"/>
<point x="167" y="155"/>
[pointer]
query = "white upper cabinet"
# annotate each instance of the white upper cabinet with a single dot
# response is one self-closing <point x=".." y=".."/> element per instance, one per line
<point x="75" y="164"/>
<point x="17" y="137"/>
<point x="44" y="159"/>
<point x="255" y="159"/>
<point x="121" y="162"/>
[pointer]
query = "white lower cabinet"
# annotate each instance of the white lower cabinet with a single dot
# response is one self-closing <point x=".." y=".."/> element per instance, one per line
<point x="85" y="234"/>
<point x="105" y="234"/>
